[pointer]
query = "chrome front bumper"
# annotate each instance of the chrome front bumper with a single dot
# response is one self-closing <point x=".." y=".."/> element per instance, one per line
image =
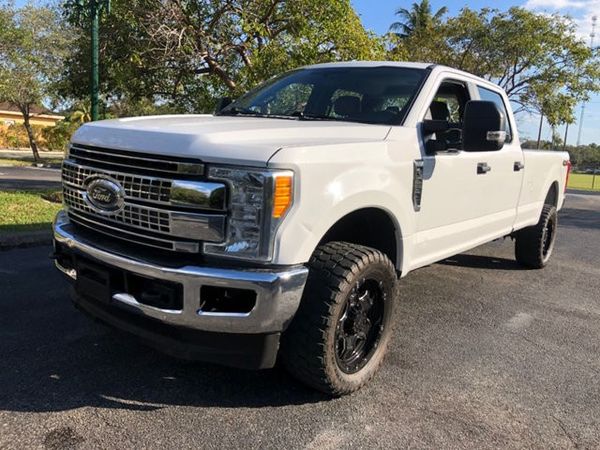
<point x="278" y="292"/>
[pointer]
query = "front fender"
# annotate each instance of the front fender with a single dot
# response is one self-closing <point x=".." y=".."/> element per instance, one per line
<point x="334" y="186"/>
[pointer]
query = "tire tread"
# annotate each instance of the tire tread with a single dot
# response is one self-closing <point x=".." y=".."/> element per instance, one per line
<point x="332" y="268"/>
<point x="529" y="243"/>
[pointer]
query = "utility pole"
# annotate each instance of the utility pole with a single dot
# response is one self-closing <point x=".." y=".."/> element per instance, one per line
<point x="95" y="76"/>
<point x="566" y="134"/>
<point x="92" y="9"/>
<point x="540" y="131"/>
<point x="592" y="36"/>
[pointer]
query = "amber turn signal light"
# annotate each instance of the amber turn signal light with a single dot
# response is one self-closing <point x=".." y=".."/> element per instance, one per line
<point x="283" y="195"/>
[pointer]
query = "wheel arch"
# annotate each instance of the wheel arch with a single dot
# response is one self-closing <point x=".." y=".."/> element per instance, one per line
<point x="372" y="227"/>
<point x="552" y="195"/>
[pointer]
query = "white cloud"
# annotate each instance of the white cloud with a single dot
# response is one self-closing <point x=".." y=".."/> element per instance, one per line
<point x="581" y="12"/>
<point x="556" y="4"/>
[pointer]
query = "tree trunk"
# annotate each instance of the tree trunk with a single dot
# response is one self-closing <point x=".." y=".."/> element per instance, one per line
<point x="218" y="70"/>
<point x="32" y="143"/>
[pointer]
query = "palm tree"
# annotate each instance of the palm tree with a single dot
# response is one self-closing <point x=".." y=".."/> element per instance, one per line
<point x="419" y="17"/>
<point x="82" y="114"/>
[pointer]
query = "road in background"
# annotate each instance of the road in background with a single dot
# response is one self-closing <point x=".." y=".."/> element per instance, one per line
<point x="28" y="178"/>
<point x="18" y="154"/>
<point x="485" y="355"/>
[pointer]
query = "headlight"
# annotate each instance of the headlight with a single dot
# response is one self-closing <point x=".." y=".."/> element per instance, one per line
<point x="258" y="202"/>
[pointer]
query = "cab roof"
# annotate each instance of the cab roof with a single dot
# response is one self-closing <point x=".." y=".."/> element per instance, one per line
<point x="405" y="64"/>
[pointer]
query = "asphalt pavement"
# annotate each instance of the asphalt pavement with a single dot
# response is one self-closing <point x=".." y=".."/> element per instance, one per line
<point x="25" y="178"/>
<point x="485" y="355"/>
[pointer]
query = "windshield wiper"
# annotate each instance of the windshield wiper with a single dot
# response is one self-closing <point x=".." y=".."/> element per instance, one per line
<point x="237" y="111"/>
<point x="302" y="116"/>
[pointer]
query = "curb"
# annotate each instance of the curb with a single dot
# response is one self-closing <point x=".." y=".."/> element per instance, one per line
<point x="25" y="239"/>
<point x="581" y="192"/>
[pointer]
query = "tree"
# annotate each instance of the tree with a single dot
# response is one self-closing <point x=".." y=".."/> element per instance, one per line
<point x="419" y="18"/>
<point x="35" y="45"/>
<point x="538" y="59"/>
<point x="81" y="114"/>
<point x="185" y="53"/>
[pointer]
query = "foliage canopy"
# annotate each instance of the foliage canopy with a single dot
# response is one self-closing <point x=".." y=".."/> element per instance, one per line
<point x="538" y="59"/>
<point x="33" y="47"/>
<point x="185" y="53"/>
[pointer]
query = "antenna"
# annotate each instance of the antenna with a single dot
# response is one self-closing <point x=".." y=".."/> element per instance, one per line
<point x="592" y="36"/>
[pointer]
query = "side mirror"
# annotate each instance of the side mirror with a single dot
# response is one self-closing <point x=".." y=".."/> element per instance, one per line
<point x="484" y="127"/>
<point x="222" y="103"/>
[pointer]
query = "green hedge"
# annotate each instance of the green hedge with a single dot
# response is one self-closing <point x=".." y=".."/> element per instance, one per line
<point x="54" y="138"/>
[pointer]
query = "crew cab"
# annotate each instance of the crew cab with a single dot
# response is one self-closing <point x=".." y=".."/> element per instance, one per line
<point x="278" y="227"/>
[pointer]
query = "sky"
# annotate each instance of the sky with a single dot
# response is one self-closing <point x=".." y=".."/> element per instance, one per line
<point x="377" y="15"/>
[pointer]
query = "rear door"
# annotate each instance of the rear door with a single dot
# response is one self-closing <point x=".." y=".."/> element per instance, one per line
<point x="507" y="167"/>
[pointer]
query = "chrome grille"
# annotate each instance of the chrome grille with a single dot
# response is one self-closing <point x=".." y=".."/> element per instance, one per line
<point x="99" y="225"/>
<point x="133" y="162"/>
<point x="131" y="215"/>
<point x="136" y="186"/>
<point x="173" y="212"/>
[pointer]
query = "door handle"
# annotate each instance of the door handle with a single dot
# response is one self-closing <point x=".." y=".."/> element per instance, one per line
<point x="518" y="166"/>
<point x="483" y="168"/>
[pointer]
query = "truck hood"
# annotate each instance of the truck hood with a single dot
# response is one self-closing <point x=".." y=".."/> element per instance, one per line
<point x="223" y="139"/>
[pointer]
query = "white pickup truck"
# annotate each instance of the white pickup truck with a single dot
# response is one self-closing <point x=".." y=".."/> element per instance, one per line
<point x="278" y="227"/>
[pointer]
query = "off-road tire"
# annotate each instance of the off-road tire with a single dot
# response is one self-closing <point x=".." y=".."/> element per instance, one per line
<point x="308" y="346"/>
<point x="533" y="246"/>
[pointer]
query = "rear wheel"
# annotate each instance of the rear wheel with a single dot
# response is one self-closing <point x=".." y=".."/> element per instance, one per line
<point x="534" y="245"/>
<point x="340" y="333"/>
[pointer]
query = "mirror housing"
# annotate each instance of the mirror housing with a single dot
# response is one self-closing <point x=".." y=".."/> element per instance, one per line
<point x="222" y="103"/>
<point x="483" y="127"/>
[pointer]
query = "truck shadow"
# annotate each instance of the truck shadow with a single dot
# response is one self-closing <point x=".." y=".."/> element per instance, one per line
<point x="108" y="369"/>
<point x="481" y="262"/>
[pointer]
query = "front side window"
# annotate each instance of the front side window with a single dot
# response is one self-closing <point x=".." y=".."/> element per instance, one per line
<point x="491" y="96"/>
<point x="379" y="95"/>
<point x="449" y="105"/>
<point x="449" y="102"/>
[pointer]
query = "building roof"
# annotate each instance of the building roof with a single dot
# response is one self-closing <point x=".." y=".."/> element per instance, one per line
<point x="35" y="109"/>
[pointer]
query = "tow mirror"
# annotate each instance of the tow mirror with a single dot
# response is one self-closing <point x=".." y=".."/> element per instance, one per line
<point x="484" y="127"/>
<point x="222" y="103"/>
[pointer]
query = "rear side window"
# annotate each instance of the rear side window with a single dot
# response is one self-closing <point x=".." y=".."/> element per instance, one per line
<point x="491" y="96"/>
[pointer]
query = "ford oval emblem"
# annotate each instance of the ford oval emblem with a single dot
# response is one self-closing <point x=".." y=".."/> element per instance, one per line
<point x="104" y="195"/>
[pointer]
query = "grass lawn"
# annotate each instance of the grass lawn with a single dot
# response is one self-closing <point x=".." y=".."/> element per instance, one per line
<point x="27" y="210"/>
<point x="583" y="181"/>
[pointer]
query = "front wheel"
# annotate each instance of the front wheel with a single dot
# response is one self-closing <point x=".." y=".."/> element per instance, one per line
<point x="340" y="333"/>
<point x="534" y="244"/>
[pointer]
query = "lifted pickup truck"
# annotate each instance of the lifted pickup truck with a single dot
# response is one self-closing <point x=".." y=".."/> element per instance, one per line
<point x="279" y="226"/>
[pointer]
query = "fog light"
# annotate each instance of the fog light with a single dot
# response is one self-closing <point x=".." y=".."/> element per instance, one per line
<point x="225" y="300"/>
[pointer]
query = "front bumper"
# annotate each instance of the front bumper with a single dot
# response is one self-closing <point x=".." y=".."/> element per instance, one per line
<point x="278" y="292"/>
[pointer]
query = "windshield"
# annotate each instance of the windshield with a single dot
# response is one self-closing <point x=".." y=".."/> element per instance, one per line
<point x="380" y="95"/>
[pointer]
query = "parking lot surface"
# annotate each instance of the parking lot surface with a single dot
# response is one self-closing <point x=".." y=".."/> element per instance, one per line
<point x="485" y="355"/>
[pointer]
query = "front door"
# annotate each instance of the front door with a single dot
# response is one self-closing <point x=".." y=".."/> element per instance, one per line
<point x="462" y="202"/>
